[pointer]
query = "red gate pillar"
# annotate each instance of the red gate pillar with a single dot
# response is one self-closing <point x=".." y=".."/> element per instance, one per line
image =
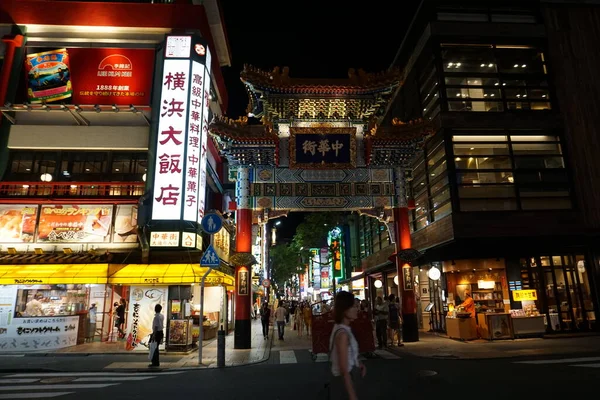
<point x="243" y="244"/>
<point x="406" y="282"/>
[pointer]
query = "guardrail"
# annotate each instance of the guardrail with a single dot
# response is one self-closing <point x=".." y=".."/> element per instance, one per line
<point x="71" y="189"/>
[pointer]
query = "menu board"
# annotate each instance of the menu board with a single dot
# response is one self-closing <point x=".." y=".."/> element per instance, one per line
<point x="75" y="223"/>
<point x="17" y="223"/>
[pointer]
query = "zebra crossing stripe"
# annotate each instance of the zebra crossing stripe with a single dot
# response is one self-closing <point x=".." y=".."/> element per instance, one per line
<point x="60" y="387"/>
<point x="559" y="361"/>
<point x="33" y="395"/>
<point x="287" y="357"/>
<point x="586" y="365"/>
<point x="82" y="374"/>
<point x="113" y="378"/>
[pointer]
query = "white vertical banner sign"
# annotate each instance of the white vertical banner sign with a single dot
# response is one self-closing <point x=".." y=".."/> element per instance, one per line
<point x="194" y="144"/>
<point x="206" y="81"/>
<point x="171" y="142"/>
<point x="196" y="110"/>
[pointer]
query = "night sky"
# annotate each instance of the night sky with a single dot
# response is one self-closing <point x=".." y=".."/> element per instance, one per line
<point x="315" y="39"/>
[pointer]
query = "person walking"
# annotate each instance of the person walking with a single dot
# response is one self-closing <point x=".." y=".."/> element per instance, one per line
<point x="91" y="332"/>
<point x="394" y="320"/>
<point x="381" y="317"/>
<point x="158" y="326"/>
<point x="265" y="318"/>
<point x="307" y="312"/>
<point x="280" y="315"/>
<point x="299" y="319"/>
<point x="346" y="369"/>
<point x="120" y="322"/>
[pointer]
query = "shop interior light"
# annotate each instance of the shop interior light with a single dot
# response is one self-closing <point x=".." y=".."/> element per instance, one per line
<point x="378" y="284"/>
<point x="46" y="177"/>
<point x="434" y="273"/>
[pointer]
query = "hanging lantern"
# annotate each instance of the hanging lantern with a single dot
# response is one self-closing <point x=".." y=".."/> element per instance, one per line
<point x="410" y="203"/>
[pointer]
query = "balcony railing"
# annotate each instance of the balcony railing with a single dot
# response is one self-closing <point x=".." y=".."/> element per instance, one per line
<point x="71" y="189"/>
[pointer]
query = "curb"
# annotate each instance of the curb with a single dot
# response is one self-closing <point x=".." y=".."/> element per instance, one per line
<point x="449" y="356"/>
<point x="266" y="357"/>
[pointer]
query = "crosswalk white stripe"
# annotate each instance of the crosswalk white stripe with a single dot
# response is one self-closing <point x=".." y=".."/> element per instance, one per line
<point x="113" y="378"/>
<point x="287" y="357"/>
<point x="55" y="374"/>
<point x="386" y="355"/>
<point x="559" y="361"/>
<point x="586" y="365"/>
<point x="322" y="358"/>
<point x="18" y="380"/>
<point x="33" y="395"/>
<point x="60" y="387"/>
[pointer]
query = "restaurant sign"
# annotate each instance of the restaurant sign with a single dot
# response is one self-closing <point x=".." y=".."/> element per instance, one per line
<point x="90" y="76"/>
<point x="322" y="148"/>
<point x="180" y="174"/>
<point x="524" y="295"/>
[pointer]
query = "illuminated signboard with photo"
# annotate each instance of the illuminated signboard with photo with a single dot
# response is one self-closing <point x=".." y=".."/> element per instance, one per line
<point x="90" y="76"/>
<point x="180" y="172"/>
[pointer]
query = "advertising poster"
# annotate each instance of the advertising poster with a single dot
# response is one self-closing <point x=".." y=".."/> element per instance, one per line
<point x="125" y="224"/>
<point x="48" y="76"/>
<point x="112" y="76"/>
<point x="141" y="313"/>
<point x="35" y="334"/>
<point x="75" y="223"/>
<point x="17" y="223"/>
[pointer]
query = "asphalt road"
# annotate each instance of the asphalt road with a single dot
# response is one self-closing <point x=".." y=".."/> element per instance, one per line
<point x="510" y="379"/>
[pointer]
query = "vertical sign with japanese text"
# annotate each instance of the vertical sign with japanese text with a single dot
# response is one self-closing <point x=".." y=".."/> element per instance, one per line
<point x="194" y="145"/>
<point x="170" y="148"/>
<point x="204" y="129"/>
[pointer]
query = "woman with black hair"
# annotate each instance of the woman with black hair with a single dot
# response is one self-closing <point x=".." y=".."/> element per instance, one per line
<point x="346" y="368"/>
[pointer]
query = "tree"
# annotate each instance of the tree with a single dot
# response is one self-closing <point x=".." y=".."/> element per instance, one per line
<point x="312" y="232"/>
<point x="286" y="264"/>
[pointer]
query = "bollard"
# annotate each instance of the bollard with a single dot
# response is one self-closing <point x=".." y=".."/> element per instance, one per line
<point x="221" y="348"/>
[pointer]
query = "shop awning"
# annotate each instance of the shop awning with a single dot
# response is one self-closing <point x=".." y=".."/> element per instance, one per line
<point x="170" y="274"/>
<point x="53" y="274"/>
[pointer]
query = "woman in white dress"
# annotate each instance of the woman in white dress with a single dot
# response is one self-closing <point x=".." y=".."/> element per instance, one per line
<point x="346" y="368"/>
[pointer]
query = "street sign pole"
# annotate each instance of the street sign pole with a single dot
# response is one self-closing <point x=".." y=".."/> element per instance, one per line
<point x="211" y="223"/>
<point x="201" y="333"/>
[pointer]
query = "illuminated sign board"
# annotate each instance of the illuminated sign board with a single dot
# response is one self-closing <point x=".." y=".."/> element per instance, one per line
<point x="180" y="169"/>
<point x="523" y="295"/>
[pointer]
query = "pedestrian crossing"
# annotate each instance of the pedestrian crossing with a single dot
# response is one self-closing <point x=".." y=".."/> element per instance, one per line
<point x="56" y="384"/>
<point x="580" y="362"/>
<point x="305" y="356"/>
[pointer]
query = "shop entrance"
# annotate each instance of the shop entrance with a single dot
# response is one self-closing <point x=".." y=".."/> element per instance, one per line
<point x="564" y="290"/>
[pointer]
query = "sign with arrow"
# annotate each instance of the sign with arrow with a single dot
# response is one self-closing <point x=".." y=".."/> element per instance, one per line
<point x="210" y="258"/>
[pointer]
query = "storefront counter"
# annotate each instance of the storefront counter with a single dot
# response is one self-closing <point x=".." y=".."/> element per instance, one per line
<point x="494" y="326"/>
<point x="528" y="326"/>
<point x="30" y="334"/>
<point x="461" y="328"/>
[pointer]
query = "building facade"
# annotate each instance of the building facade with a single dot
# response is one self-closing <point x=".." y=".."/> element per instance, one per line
<point x="503" y="203"/>
<point x="85" y="92"/>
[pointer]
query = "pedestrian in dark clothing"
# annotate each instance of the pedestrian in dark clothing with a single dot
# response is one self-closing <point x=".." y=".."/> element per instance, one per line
<point x="265" y="317"/>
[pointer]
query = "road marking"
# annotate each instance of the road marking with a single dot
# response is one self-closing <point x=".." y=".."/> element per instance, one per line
<point x="67" y="387"/>
<point x="33" y="395"/>
<point x="322" y="358"/>
<point x="386" y="355"/>
<point x="113" y="379"/>
<point x="18" y="380"/>
<point x="559" y="361"/>
<point x="81" y="374"/>
<point x="586" y="365"/>
<point x="287" y="357"/>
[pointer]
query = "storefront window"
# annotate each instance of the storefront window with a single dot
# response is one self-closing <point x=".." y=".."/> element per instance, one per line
<point x="50" y="300"/>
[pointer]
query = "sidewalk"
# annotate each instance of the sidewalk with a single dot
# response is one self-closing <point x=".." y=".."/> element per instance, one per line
<point x="437" y="346"/>
<point x="259" y="352"/>
<point x="97" y="357"/>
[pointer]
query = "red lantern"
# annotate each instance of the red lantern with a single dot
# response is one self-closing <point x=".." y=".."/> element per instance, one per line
<point x="411" y="204"/>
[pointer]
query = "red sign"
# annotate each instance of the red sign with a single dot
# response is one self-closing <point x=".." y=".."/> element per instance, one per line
<point x="111" y="76"/>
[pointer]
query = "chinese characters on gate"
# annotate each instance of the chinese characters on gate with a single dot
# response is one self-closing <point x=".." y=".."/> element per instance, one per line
<point x="323" y="146"/>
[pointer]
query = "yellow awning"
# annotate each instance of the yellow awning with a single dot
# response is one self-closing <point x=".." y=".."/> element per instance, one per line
<point x="170" y="274"/>
<point x="53" y="274"/>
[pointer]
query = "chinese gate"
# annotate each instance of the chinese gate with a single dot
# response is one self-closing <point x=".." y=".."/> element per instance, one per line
<point x="322" y="146"/>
